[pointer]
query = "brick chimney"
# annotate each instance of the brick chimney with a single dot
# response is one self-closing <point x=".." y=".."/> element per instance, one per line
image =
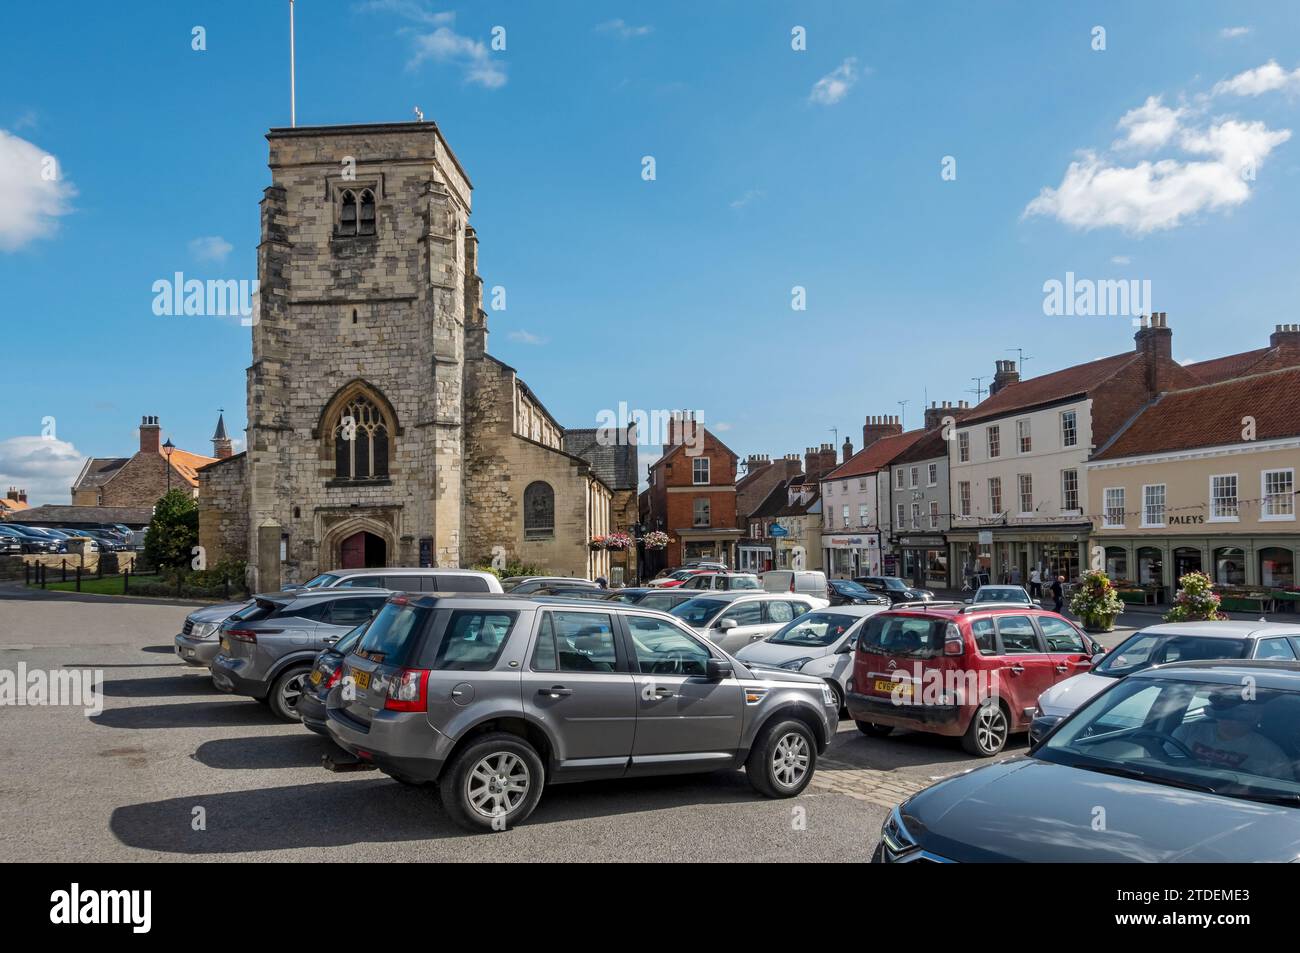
<point x="1155" y="342"/>
<point x="1285" y="335"/>
<point x="756" y="462"/>
<point x="17" y="495"/>
<point x="847" y="449"/>
<point x="150" y="435"/>
<point x="935" y="413"/>
<point x="682" y="428"/>
<point x="876" y="427"/>
<point x="1005" y="373"/>
<point x="818" y="461"/>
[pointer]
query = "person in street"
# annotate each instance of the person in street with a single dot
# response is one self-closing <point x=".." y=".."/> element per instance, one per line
<point x="602" y="582"/>
<point x="1058" y="593"/>
<point x="1015" y="575"/>
<point x="1035" y="583"/>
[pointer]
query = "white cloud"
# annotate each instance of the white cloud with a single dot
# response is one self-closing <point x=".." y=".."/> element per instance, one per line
<point x="623" y="29"/>
<point x="443" y="44"/>
<point x="1121" y="260"/>
<point x="722" y="427"/>
<point x="1149" y="126"/>
<point x="751" y="196"/>
<point x="210" y="248"/>
<point x="524" y="337"/>
<point x="1208" y="164"/>
<point x="1262" y="79"/>
<point x="43" y="467"/>
<point x="835" y="85"/>
<point x="1234" y="32"/>
<point x="33" y="192"/>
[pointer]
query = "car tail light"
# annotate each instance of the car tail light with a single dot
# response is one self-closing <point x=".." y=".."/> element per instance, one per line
<point x="242" y="635"/>
<point x="408" y="690"/>
<point x="953" y="643"/>
<point x="335" y="677"/>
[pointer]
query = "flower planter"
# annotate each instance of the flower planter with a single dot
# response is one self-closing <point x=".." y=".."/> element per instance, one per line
<point x="1099" y="623"/>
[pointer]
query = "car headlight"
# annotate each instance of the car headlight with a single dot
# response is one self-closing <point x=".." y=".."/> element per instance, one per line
<point x="203" y="630"/>
<point x="795" y="663"/>
<point x="894" y="833"/>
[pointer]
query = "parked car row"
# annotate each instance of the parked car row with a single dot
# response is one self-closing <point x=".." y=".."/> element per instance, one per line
<point x="16" y="539"/>
<point x="492" y="696"/>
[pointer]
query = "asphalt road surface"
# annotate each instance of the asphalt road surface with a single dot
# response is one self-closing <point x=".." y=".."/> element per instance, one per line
<point x="172" y="769"/>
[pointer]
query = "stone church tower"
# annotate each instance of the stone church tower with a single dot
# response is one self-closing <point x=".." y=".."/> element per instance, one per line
<point x="355" y="393"/>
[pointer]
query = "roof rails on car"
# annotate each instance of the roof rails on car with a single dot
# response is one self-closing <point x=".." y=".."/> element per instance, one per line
<point x="923" y="604"/>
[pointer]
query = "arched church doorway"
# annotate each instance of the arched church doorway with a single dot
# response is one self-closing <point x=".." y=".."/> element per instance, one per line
<point x="363" y="551"/>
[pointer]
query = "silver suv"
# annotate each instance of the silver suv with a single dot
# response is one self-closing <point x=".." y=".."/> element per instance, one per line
<point x="268" y="648"/>
<point x="732" y="620"/>
<point x="494" y="697"/>
<point x="196" y="643"/>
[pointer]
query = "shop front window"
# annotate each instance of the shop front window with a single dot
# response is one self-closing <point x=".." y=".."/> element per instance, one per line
<point x="1277" y="567"/>
<point x="1116" y="562"/>
<point x="1229" y="566"/>
<point x="1151" y="566"/>
<point x="1186" y="560"/>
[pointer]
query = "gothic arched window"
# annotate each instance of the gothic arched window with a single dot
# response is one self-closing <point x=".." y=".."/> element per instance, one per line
<point x="539" y="510"/>
<point x="366" y="224"/>
<point x="360" y="441"/>
<point x="348" y="213"/>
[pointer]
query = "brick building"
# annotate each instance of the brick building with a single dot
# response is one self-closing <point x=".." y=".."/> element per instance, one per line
<point x="141" y="479"/>
<point x="692" y="497"/>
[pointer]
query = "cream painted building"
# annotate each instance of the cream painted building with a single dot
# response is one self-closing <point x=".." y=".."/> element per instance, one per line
<point x="1180" y="490"/>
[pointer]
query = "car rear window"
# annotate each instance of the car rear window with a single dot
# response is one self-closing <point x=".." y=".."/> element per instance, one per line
<point x="696" y="612"/>
<point x="255" y="610"/>
<point x="471" y="641"/>
<point x="393" y="633"/>
<point x="910" y="636"/>
<point x="462" y="584"/>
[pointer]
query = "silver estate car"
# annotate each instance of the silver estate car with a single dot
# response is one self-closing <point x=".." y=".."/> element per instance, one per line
<point x="734" y="619"/>
<point x="196" y="643"/>
<point x="268" y="647"/>
<point x="494" y="697"/>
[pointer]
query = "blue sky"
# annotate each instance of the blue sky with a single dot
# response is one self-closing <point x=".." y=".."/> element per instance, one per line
<point x="775" y="168"/>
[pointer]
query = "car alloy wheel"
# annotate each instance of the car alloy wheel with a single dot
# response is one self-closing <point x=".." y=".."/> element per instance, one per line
<point x="790" y="759"/>
<point x="287" y="692"/>
<point x="990" y="729"/>
<point x="498" y="784"/>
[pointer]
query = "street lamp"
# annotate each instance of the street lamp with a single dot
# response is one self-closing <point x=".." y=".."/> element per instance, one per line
<point x="168" y="447"/>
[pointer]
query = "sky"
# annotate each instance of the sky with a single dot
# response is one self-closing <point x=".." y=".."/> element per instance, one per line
<point x="852" y="205"/>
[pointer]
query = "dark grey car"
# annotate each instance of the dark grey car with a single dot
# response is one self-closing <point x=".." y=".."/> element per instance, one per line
<point x="267" y="648"/>
<point x="493" y="697"/>
<point x="1190" y="762"/>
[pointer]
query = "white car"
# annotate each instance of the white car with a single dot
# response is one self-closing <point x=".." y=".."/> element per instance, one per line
<point x="1002" y="595"/>
<point x="731" y="620"/>
<point x="819" y="643"/>
<point x="1160" y="644"/>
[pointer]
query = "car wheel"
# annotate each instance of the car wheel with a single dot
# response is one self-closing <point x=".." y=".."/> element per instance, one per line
<point x="287" y="691"/>
<point x="873" y="730"/>
<point x="839" y="696"/>
<point x="988" y="730"/>
<point x="493" y="784"/>
<point x="783" y="759"/>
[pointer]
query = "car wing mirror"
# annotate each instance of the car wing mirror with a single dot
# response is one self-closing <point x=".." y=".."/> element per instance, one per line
<point x="727" y="624"/>
<point x="846" y="648"/>
<point x="716" y="669"/>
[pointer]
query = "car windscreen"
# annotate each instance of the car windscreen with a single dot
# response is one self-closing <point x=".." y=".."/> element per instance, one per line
<point x="911" y="636"/>
<point x="393" y="633"/>
<point x="815" y="629"/>
<point x="743" y="582"/>
<point x="999" y="594"/>
<point x="697" y="612"/>
<point x="663" y="601"/>
<point x="323" y="581"/>
<point x="1143" y="650"/>
<point x="849" y="588"/>
<point x="1188" y="733"/>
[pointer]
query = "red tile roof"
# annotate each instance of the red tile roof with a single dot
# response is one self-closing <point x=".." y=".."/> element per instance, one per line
<point x="1049" y="388"/>
<point x="1257" y="361"/>
<point x="876" y="457"/>
<point x="1211" y="416"/>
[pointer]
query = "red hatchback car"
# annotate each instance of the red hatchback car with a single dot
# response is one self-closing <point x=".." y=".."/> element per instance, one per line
<point x="961" y="670"/>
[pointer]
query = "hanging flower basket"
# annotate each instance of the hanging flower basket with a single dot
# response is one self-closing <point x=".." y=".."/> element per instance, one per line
<point x="617" y="542"/>
<point x="1096" y="602"/>
<point x="655" y="539"/>
<point x="597" y="544"/>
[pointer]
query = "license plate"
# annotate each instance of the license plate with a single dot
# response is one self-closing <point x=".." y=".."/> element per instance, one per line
<point x="887" y="686"/>
<point x="315" y="677"/>
<point x="361" y="679"/>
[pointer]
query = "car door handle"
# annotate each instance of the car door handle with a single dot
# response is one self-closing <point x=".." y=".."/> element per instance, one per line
<point x="660" y="693"/>
<point x="1017" y="669"/>
<point x="331" y="641"/>
<point x="1062" y="668"/>
<point x="555" y="691"/>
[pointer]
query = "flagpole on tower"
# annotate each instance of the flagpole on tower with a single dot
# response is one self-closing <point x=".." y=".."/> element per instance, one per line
<point x="293" y="95"/>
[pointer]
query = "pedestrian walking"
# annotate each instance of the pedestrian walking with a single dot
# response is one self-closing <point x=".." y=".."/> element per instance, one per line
<point x="1015" y="575"/>
<point x="1035" y="583"/>
<point x="1058" y="593"/>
